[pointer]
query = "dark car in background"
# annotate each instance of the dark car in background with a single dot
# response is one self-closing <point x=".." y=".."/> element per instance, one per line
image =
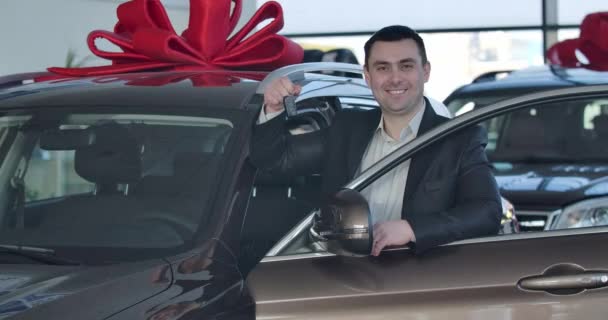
<point x="544" y="159"/>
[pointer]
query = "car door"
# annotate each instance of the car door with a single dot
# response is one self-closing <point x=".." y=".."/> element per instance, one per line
<point x="558" y="274"/>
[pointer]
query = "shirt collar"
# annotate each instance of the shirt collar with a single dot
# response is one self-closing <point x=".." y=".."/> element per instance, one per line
<point x="411" y="129"/>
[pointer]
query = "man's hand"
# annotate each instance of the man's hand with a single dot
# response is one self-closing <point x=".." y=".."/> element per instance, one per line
<point x="391" y="233"/>
<point x="276" y="91"/>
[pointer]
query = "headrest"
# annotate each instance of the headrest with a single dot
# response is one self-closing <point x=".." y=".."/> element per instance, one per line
<point x="114" y="157"/>
<point x="312" y="55"/>
<point x="600" y="124"/>
<point x="526" y="132"/>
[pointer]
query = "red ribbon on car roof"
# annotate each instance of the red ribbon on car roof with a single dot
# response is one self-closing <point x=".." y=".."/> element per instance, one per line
<point x="149" y="42"/>
<point x="198" y="79"/>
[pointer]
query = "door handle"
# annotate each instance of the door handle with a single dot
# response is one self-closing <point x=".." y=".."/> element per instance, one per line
<point x="565" y="278"/>
<point x="586" y="280"/>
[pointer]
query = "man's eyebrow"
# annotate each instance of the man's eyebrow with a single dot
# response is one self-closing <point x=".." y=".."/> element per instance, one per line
<point x="406" y="60"/>
<point x="377" y="63"/>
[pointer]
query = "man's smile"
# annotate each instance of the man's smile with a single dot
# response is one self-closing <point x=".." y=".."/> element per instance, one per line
<point x="396" y="92"/>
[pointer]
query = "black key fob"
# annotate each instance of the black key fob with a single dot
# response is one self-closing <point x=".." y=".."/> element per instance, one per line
<point x="290" y="106"/>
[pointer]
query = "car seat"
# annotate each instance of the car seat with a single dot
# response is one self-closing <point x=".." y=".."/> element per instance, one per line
<point x="600" y="127"/>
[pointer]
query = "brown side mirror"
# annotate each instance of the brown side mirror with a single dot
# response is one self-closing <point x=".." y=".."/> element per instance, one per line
<point x="343" y="226"/>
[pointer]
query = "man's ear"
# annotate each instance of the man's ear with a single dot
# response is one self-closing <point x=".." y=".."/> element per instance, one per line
<point x="427" y="71"/>
<point x="366" y="75"/>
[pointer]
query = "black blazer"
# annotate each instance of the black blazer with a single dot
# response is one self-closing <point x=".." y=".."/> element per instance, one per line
<point x="450" y="192"/>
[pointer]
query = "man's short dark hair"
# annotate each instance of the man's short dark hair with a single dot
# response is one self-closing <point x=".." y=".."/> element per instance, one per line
<point x="395" y="33"/>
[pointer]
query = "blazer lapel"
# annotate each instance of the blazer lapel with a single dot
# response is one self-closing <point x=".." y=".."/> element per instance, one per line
<point x="420" y="162"/>
<point x="361" y="134"/>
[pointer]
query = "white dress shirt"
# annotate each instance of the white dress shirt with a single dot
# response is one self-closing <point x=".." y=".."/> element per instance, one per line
<point x="385" y="195"/>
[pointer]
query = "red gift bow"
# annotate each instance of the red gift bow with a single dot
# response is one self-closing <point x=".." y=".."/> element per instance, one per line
<point x="149" y="42"/>
<point x="592" y="43"/>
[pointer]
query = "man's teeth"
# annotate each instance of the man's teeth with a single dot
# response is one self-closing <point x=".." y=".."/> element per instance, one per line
<point x="396" y="91"/>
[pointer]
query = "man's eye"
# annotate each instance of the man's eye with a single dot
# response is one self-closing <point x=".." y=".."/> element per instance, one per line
<point x="407" y="66"/>
<point x="381" y="68"/>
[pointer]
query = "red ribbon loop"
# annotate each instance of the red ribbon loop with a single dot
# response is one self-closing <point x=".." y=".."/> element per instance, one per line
<point x="270" y="10"/>
<point x="134" y="15"/>
<point x="148" y="40"/>
<point x="122" y="42"/>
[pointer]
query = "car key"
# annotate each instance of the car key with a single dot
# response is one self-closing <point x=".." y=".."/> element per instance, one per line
<point x="290" y="106"/>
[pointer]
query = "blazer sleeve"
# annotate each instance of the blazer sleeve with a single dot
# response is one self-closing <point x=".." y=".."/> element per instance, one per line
<point x="274" y="149"/>
<point x="477" y="208"/>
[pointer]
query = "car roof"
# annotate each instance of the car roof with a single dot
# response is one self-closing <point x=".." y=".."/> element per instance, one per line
<point x="201" y="88"/>
<point x="225" y="89"/>
<point x="529" y="80"/>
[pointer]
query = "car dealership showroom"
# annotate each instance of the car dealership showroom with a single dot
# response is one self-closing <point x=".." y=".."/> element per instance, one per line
<point x="291" y="159"/>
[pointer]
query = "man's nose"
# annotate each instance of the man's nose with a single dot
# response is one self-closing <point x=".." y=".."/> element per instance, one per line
<point x="396" y="76"/>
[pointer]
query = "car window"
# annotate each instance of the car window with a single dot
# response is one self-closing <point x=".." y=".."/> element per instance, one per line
<point x="563" y="131"/>
<point x="550" y="165"/>
<point x="120" y="181"/>
<point x="293" y="198"/>
<point x="290" y="197"/>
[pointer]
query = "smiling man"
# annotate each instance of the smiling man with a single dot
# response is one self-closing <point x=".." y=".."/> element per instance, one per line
<point x="445" y="193"/>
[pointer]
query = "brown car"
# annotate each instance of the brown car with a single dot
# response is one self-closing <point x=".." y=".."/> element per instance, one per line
<point x="324" y="271"/>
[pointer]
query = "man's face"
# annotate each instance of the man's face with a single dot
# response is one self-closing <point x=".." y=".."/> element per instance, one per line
<point x="396" y="75"/>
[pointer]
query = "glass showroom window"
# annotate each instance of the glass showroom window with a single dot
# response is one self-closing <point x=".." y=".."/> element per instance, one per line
<point x="456" y="57"/>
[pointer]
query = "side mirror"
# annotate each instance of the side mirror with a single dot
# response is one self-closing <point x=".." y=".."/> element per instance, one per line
<point x="343" y="226"/>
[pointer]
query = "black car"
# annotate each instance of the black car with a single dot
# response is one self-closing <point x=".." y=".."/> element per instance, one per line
<point x="544" y="160"/>
<point x="123" y="196"/>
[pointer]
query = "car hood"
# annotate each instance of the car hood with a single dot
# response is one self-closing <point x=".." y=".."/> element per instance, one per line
<point x="550" y="186"/>
<point x="60" y="292"/>
<point x="202" y="285"/>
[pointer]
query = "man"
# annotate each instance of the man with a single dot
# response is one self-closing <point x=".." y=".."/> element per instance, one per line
<point x="446" y="193"/>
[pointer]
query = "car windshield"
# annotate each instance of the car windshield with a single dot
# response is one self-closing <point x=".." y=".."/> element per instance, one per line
<point x="129" y="184"/>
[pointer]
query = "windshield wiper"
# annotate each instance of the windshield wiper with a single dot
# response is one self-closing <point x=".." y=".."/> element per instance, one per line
<point x="42" y="255"/>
